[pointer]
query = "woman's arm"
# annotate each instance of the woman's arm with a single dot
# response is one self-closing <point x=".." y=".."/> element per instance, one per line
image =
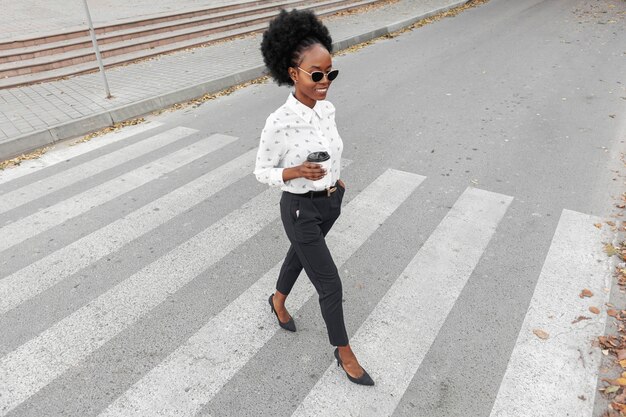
<point x="272" y="148"/>
<point x="308" y="170"/>
<point x="271" y="151"/>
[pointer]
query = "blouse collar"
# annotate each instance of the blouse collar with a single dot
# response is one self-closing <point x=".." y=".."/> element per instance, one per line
<point x="304" y="111"/>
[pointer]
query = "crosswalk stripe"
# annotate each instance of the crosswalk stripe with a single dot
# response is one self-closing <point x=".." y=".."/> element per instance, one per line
<point x="52" y="216"/>
<point x="41" y="275"/>
<point x="396" y="336"/>
<point x="546" y="377"/>
<point x="196" y="371"/>
<point x="79" y="172"/>
<point x="61" y="155"/>
<point x="39" y="361"/>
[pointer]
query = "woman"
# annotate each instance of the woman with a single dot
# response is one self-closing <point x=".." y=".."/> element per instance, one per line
<point x="296" y="49"/>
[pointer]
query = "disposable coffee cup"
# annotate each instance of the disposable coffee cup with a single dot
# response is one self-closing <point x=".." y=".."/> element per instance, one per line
<point x="322" y="158"/>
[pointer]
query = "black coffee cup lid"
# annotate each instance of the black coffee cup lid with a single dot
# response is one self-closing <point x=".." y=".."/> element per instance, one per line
<point x="320" y="156"/>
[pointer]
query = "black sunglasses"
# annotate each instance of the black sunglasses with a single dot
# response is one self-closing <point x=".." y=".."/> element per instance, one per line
<point x="317" y="76"/>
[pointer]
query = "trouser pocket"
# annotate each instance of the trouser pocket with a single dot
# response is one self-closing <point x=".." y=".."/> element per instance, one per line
<point x="307" y="222"/>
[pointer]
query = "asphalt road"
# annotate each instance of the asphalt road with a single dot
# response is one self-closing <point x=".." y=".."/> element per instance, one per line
<point x="503" y="129"/>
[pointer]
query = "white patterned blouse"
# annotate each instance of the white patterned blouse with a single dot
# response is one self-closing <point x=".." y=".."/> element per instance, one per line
<point x="292" y="132"/>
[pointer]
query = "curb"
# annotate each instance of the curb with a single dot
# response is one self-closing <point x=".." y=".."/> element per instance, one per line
<point x="34" y="140"/>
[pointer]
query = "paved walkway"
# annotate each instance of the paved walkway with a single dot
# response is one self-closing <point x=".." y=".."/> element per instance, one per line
<point x="17" y="17"/>
<point x="38" y="115"/>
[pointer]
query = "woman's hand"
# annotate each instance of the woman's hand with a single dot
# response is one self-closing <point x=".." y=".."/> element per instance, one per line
<point x="311" y="171"/>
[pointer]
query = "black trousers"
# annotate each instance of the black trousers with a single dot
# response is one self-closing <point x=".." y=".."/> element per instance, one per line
<point x="307" y="221"/>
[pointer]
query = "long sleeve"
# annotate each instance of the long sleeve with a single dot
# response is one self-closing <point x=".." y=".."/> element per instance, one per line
<point x="271" y="151"/>
<point x="291" y="133"/>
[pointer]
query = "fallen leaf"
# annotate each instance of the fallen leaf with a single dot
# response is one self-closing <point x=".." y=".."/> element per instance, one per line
<point x="621" y="398"/>
<point x="611" y="389"/>
<point x="620" y="381"/>
<point x="622" y="363"/>
<point x="585" y="293"/>
<point x="541" y="334"/>
<point x="618" y="406"/>
<point x="609" y="412"/>
<point x="609" y="249"/>
<point x="611" y="312"/>
<point x="610" y="223"/>
<point x="581" y="318"/>
<point x="621" y="354"/>
<point x="598" y="225"/>
<point x="594" y="310"/>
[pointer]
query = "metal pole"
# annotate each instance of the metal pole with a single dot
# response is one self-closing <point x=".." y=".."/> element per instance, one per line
<point x="95" y="47"/>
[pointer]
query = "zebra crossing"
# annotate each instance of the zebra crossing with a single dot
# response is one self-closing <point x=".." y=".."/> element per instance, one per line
<point x="184" y="382"/>
<point x="54" y="158"/>
<point x="70" y="176"/>
<point x="239" y="326"/>
<point x="447" y="258"/>
<point x="41" y="221"/>
<point x="565" y="355"/>
<point x="42" y="274"/>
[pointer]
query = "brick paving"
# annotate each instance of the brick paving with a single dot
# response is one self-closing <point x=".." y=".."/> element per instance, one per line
<point x="29" y="109"/>
<point x="27" y="18"/>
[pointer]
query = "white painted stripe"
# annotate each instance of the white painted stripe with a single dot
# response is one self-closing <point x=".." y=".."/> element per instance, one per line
<point x="36" y="363"/>
<point x="41" y="275"/>
<point x="85" y="170"/>
<point x="406" y="321"/>
<point x="196" y="371"/>
<point x="52" y="216"/>
<point x="54" y="156"/>
<point x="545" y="377"/>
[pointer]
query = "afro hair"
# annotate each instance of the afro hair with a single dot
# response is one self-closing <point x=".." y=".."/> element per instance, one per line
<point x="288" y="35"/>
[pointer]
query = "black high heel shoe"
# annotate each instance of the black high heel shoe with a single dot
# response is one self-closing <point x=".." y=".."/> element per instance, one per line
<point x="290" y="325"/>
<point x="364" y="379"/>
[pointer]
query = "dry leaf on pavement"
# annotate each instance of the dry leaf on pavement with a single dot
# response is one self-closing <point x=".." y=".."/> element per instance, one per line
<point x="609" y="249"/>
<point x="618" y="407"/>
<point x="621" y="398"/>
<point x="619" y="381"/>
<point x="611" y="389"/>
<point x="585" y="293"/>
<point x="594" y="310"/>
<point x="541" y="334"/>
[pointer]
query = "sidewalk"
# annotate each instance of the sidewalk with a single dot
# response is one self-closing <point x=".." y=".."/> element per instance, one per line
<point x="28" y="18"/>
<point x="41" y="114"/>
